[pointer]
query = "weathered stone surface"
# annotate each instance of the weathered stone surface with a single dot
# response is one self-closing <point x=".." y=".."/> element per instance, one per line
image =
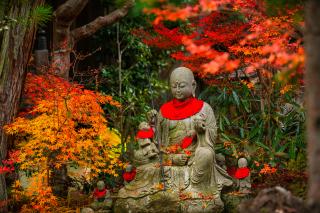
<point x="276" y="199"/>
<point x="158" y="202"/>
<point x="166" y="201"/>
<point x="232" y="201"/>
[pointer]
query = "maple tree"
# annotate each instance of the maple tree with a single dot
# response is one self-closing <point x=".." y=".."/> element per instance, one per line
<point x="63" y="124"/>
<point x="219" y="37"/>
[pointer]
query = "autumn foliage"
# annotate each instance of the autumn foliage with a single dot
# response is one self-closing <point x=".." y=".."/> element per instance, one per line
<point x="219" y="37"/>
<point x="63" y="124"/>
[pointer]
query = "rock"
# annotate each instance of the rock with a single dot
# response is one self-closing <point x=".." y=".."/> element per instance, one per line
<point x="276" y="199"/>
<point x="233" y="200"/>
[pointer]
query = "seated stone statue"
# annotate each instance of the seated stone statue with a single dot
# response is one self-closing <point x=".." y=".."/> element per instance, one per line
<point x="147" y="152"/>
<point x="185" y="119"/>
<point x="129" y="174"/>
<point x="243" y="176"/>
<point x="101" y="196"/>
<point x="146" y="159"/>
<point x="185" y="132"/>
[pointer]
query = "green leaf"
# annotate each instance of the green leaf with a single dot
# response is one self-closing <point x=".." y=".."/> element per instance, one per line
<point x="292" y="150"/>
<point x="220" y="124"/>
<point x="236" y="98"/>
<point x="254" y="132"/>
<point x="225" y="136"/>
<point x="226" y="120"/>
<point x="282" y="148"/>
<point x="245" y="104"/>
<point x="263" y="146"/>
<point x="241" y="132"/>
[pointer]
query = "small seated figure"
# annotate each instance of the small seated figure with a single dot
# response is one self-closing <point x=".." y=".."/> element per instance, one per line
<point x="129" y="174"/>
<point x="221" y="161"/>
<point x="102" y="199"/>
<point x="146" y="159"/>
<point x="145" y="131"/>
<point x="147" y="152"/>
<point x="243" y="176"/>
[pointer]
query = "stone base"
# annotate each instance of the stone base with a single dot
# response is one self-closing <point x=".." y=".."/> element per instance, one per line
<point x="205" y="206"/>
<point x="166" y="201"/>
<point x="233" y="200"/>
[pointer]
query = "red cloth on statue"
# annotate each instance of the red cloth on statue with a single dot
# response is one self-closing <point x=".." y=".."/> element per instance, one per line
<point x="242" y="173"/>
<point x="179" y="110"/>
<point x="142" y="134"/>
<point x="99" y="194"/>
<point x="129" y="176"/>
<point x="186" y="142"/>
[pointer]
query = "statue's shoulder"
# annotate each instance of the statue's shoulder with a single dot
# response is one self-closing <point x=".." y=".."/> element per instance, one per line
<point x="206" y="105"/>
<point x="206" y="108"/>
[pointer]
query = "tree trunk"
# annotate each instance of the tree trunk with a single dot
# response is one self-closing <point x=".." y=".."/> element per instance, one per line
<point x="64" y="38"/>
<point x="16" y="46"/>
<point x="63" y="18"/>
<point x="312" y="82"/>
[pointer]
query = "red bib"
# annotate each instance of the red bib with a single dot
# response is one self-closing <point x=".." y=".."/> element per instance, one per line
<point x="99" y="194"/>
<point x="179" y="110"/>
<point x="143" y="134"/>
<point x="129" y="176"/>
<point x="242" y="173"/>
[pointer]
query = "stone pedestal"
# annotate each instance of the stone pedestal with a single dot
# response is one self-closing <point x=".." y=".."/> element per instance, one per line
<point x="167" y="201"/>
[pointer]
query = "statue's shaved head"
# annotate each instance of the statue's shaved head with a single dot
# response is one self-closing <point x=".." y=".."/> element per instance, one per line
<point x="182" y="73"/>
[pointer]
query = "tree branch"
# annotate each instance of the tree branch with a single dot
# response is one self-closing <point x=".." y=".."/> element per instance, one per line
<point x="69" y="10"/>
<point x="92" y="27"/>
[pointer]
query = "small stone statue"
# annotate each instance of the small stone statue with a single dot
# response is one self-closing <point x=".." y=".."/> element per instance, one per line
<point x="146" y="160"/>
<point x="102" y="199"/>
<point x="148" y="152"/>
<point x="129" y="174"/>
<point x="145" y="131"/>
<point x="243" y="176"/>
<point x="221" y="161"/>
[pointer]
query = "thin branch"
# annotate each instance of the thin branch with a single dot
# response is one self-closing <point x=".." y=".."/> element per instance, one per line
<point x="92" y="27"/>
<point x="124" y="49"/>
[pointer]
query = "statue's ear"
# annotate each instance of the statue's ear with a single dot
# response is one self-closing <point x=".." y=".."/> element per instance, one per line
<point x="194" y="86"/>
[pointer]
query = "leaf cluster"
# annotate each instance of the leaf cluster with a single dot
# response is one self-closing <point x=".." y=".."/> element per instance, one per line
<point x="274" y="134"/>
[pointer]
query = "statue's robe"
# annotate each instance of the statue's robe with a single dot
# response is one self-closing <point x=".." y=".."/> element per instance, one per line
<point x="201" y="173"/>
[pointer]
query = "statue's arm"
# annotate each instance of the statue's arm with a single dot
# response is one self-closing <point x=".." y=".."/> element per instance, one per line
<point x="211" y="123"/>
<point x="205" y="124"/>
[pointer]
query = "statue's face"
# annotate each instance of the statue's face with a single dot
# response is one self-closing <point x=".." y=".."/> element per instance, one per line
<point x="242" y="162"/>
<point x="100" y="185"/>
<point x="182" y="84"/>
<point x="129" y="168"/>
<point x="144" y="126"/>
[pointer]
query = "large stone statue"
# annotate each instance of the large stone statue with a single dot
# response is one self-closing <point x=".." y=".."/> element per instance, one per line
<point x="185" y="134"/>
